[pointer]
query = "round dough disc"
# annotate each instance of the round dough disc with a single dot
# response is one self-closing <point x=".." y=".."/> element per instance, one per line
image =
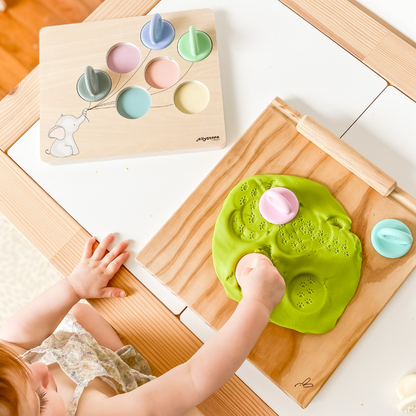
<point x="317" y="255"/>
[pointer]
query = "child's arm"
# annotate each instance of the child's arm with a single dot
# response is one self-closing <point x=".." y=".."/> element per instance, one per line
<point x="38" y="319"/>
<point x="187" y="385"/>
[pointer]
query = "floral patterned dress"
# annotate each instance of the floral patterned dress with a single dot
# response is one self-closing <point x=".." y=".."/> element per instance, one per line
<point x="82" y="359"/>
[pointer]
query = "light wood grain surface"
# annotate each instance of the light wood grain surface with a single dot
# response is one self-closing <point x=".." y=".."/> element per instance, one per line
<point x="373" y="44"/>
<point x="339" y="150"/>
<point x="30" y="209"/>
<point x="180" y="254"/>
<point x="346" y="155"/>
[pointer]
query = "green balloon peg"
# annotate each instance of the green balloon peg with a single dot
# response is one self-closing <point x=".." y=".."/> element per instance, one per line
<point x="193" y="41"/>
<point x="194" y="45"/>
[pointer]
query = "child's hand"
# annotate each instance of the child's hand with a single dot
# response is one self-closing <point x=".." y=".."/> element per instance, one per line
<point x="263" y="283"/>
<point x="91" y="276"/>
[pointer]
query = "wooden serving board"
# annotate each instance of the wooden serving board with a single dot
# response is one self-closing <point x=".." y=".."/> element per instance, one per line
<point x="180" y="254"/>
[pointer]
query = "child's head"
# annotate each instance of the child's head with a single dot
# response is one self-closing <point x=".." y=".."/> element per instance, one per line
<point x="27" y="390"/>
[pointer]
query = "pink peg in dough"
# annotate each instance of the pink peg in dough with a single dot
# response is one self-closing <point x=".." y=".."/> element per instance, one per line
<point x="278" y="205"/>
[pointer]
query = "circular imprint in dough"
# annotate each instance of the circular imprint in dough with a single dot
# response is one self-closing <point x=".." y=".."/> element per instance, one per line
<point x="306" y="293"/>
<point x="316" y="253"/>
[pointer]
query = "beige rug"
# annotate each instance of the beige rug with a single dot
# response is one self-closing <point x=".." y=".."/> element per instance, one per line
<point x="24" y="272"/>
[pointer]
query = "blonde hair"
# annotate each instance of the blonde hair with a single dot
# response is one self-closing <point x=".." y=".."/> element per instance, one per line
<point x="10" y="365"/>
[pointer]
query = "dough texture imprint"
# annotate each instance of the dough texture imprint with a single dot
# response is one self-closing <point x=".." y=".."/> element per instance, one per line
<point x="316" y="253"/>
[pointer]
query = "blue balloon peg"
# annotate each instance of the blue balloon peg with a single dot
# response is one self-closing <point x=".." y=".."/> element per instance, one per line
<point x="391" y="238"/>
<point x="158" y="33"/>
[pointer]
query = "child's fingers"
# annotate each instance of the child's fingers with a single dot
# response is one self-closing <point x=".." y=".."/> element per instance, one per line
<point x="115" y="252"/>
<point x="88" y="248"/>
<point x="244" y="274"/>
<point x="115" y="265"/>
<point x="113" y="292"/>
<point x="102" y="247"/>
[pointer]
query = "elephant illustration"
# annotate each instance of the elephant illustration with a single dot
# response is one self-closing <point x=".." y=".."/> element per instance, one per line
<point x="63" y="133"/>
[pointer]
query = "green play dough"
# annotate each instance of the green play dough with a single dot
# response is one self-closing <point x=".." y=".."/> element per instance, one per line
<point x="317" y="255"/>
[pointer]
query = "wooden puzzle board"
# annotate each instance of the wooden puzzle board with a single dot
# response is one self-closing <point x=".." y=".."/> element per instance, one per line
<point x="180" y="253"/>
<point x="66" y="50"/>
<point x="368" y="40"/>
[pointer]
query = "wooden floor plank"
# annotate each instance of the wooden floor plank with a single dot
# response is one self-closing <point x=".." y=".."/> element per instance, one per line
<point x="71" y="11"/>
<point x="19" y="33"/>
<point x="18" y="41"/>
<point x="12" y="70"/>
<point x="2" y="92"/>
<point x="33" y="15"/>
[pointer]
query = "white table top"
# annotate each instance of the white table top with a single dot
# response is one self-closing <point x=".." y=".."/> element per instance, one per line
<point x="386" y="135"/>
<point x="264" y="53"/>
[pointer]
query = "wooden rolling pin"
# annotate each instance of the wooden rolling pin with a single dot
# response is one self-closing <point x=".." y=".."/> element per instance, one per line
<point x="337" y="149"/>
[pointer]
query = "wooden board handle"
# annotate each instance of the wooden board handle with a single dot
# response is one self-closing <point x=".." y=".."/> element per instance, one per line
<point x="346" y="155"/>
<point x="404" y="199"/>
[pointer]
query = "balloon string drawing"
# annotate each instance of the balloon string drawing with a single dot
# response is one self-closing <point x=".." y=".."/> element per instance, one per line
<point x="134" y="101"/>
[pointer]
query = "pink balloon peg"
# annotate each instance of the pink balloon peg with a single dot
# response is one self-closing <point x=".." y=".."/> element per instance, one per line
<point x="278" y="205"/>
<point x="279" y="202"/>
